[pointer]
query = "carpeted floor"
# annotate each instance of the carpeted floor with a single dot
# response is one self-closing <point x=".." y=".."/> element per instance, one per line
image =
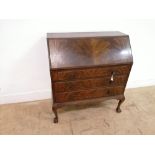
<point x="137" y="117"/>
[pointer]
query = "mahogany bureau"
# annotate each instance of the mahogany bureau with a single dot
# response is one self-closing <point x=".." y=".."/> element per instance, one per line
<point x="88" y="67"/>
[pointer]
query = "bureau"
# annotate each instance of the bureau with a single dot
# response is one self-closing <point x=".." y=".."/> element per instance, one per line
<point x="88" y="67"/>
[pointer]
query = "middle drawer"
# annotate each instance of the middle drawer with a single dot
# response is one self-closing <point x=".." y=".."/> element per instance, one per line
<point x="69" y="86"/>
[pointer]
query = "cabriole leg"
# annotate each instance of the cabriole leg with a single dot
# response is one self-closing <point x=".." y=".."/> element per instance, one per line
<point x="55" y="120"/>
<point x="118" y="109"/>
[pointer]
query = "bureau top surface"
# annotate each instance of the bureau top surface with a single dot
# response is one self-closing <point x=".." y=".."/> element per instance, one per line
<point x="76" y="50"/>
<point x="85" y="34"/>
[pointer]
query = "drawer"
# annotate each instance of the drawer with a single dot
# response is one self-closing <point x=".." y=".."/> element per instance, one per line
<point x="88" y="94"/>
<point x="73" y="74"/>
<point x="118" y="80"/>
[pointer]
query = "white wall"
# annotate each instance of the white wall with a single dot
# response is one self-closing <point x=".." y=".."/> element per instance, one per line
<point x="24" y="68"/>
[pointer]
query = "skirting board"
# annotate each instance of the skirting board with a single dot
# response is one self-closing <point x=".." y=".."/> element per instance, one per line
<point x="140" y="83"/>
<point x="25" y="97"/>
<point x="46" y="94"/>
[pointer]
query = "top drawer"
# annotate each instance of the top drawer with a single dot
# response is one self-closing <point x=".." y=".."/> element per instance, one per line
<point x="74" y="74"/>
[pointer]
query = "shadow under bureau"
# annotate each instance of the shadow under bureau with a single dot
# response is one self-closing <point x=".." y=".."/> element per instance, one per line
<point x="88" y="67"/>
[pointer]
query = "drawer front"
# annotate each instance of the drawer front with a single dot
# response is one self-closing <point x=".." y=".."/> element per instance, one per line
<point x="89" y="84"/>
<point x="66" y="75"/>
<point x="88" y="94"/>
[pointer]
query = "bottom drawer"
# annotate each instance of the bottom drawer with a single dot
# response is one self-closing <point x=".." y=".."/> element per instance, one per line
<point x="88" y="94"/>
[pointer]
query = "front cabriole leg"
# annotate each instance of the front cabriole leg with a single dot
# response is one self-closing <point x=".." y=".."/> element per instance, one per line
<point x="55" y="120"/>
<point x="118" y="109"/>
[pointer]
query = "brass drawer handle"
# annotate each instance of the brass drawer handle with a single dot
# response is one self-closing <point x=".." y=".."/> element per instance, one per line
<point x="112" y="77"/>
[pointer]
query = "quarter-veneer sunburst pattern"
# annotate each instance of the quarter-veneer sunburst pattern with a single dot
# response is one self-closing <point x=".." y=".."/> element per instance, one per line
<point x="66" y="52"/>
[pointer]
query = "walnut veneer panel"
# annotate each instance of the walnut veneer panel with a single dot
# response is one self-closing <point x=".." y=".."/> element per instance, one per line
<point x="89" y="83"/>
<point x="73" y="74"/>
<point x="79" y="52"/>
<point x="88" y="94"/>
